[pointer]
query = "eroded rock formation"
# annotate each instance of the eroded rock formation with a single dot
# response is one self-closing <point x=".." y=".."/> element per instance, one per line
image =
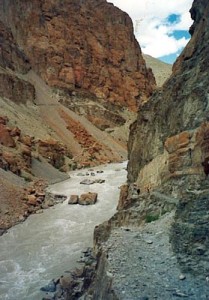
<point x="168" y="165"/>
<point x="69" y="71"/>
<point x="168" y="146"/>
<point x="82" y="45"/>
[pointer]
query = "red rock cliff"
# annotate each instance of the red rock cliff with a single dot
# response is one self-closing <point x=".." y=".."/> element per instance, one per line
<point x="85" y="45"/>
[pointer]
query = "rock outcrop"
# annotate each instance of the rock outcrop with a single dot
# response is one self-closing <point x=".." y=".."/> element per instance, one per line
<point x="66" y="78"/>
<point x="168" y="145"/>
<point x="173" y="123"/>
<point x="81" y="45"/>
<point x="167" y="187"/>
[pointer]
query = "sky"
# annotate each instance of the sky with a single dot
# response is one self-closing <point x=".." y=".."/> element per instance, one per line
<point x="161" y="26"/>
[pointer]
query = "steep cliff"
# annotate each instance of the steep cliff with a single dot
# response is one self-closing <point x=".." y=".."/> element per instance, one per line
<point x="168" y="145"/>
<point x="81" y="61"/>
<point x="156" y="245"/>
<point x="84" y="45"/>
<point x="71" y="78"/>
<point x="172" y="126"/>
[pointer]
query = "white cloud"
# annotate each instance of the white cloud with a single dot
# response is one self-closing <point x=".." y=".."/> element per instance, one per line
<point x="152" y="29"/>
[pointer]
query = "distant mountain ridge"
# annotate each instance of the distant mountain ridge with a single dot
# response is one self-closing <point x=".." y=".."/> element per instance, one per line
<point x="161" y="70"/>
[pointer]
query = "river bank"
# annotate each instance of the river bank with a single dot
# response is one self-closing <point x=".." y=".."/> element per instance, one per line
<point x="45" y="245"/>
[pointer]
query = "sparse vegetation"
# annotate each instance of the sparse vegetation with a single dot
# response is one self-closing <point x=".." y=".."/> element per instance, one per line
<point x="151" y="218"/>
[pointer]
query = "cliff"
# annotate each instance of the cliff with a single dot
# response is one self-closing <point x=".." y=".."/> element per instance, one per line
<point x="79" y="68"/>
<point x="84" y="45"/>
<point x="168" y="145"/>
<point x="71" y="78"/>
<point x="156" y="245"/>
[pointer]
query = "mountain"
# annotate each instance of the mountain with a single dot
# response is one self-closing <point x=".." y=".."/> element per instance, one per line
<point x="160" y="69"/>
<point x="156" y="245"/>
<point x="71" y="79"/>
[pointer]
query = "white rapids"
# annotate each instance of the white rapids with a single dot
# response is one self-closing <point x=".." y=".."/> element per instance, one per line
<point x="48" y="244"/>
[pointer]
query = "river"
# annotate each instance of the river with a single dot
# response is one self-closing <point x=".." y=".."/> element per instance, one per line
<point x="48" y="244"/>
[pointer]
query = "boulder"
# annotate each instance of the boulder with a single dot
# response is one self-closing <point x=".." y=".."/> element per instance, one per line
<point x="5" y="137"/>
<point x="87" y="181"/>
<point x="73" y="199"/>
<point x="88" y="198"/>
<point x="32" y="200"/>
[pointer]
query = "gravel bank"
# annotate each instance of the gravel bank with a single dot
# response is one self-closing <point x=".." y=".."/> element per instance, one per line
<point x="143" y="265"/>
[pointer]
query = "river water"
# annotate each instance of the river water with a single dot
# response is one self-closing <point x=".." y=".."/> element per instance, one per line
<point x="47" y="244"/>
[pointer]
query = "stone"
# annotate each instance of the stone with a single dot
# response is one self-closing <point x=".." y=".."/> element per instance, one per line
<point x="88" y="198"/>
<point x="2" y="231"/>
<point x="50" y="287"/>
<point x="99" y="181"/>
<point x="66" y="281"/>
<point x="182" y="277"/>
<point x="5" y="137"/>
<point x="87" y="182"/>
<point x="32" y="200"/>
<point x="149" y="242"/>
<point x="53" y="151"/>
<point x="73" y="199"/>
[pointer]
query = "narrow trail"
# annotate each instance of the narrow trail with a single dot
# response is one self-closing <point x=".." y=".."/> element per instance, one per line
<point x="144" y="267"/>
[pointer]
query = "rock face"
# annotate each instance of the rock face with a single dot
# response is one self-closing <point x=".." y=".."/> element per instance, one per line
<point x="88" y="199"/>
<point x="81" y="45"/>
<point x="11" y="55"/>
<point x="168" y="145"/>
<point x="167" y="187"/>
<point x="69" y="72"/>
<point x="176" y="117"/>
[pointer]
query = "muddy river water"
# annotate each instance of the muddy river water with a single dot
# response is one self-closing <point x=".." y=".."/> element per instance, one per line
<point x="47" y="244"/>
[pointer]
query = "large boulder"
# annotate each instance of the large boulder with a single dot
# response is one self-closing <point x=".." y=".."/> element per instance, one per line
<point x="73" y="199"/>
<point x="88" y="198"/>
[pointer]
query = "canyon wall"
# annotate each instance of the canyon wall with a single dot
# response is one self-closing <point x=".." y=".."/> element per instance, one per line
<point x="71" y="79"/>
<point x="170" y="134"/>
<point x="169" y="145"/>
<point x="82" y="45"/>
<point x="167" y="190"/>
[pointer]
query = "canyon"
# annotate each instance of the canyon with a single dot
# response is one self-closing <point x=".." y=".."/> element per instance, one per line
<point x="68" y="95"/>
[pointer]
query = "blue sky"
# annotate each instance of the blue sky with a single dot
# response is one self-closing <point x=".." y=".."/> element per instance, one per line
<point x="161" y="26"/>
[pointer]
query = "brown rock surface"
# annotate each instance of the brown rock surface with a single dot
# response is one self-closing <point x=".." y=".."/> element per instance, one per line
<point x="168" y="146"/>
<point x="88" y="199"/>
<point x="6" y="137"/>
<point x="53" y="151"/>
<point x="181" y="105"/>
<point x="73" y="199"/>
<point x="15" y="89"/>
<point x="65" y="49"/>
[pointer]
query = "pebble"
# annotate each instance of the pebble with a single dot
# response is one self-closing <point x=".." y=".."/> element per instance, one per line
<point x="149" y="242"/>
<point x="182" y="277"/>
<point x="51" y="287"/>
